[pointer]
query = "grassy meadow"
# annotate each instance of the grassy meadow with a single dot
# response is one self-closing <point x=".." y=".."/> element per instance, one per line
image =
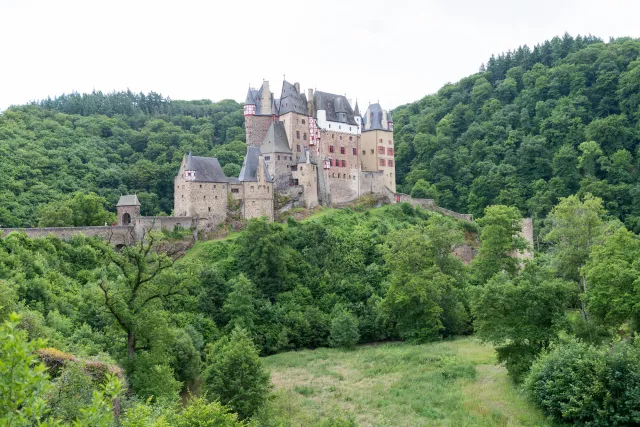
<point x="456" y="383"/>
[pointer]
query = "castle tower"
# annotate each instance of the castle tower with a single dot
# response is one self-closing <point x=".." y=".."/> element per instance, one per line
<point x="250" y="104"/>
<point x="357" y="116"/>
<point x="128" y="209"/>
<point x="377" y="144"/>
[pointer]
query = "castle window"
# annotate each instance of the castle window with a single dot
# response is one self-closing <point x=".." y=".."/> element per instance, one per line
<point x="354" y="177"/>
<point x="253" y="202"/>
<point x="390" y="142"/>
<point x="183" y="196"/>
<point x="302" y="121"/>
<point x="331" y="149"/>
<point x="380" y="150"/>
<point x="390" y="162"/>
<point x="252" y="188"/>
<point x="333" y="175"/>
<point x="380" y="140"/>
<point x="209" y="208"/>
<point x="339" y="127"/>
<point x="349" y="128"/>
<point x="354" y="151"/>
<point x="344" y="176"/>
<point x="390" y="151"/>
<point x="372" y="151"/>
<point x="333" y="136"/>
<point x="200" y="185"/>
<point x="344" y="163"/>
<point x="235" y="190"/>
<point x="278" y="157"/>
<point x="298" y="148"/>
<point x="342" y="150"/>
<point x="297" y="134"/>
<point x="340" y="137"/>
<point x="381" y="162"/>
<point x="204" y="197"/>
<point x="304" y="136"/>
<point x="215" y="186"/>
<point x="267" y="157"/>
<point x="364" y="152"/>
<point x="267" y="189"/>
<point x="216" y="197"/>
<point x="350" y="138"/>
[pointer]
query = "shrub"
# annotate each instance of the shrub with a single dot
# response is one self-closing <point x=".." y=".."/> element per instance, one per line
<point x="583" y="384"/>
<point x="234" y="374"/>
<point x="199" y="413"/>
<point x="344" y="329"/>
<point x="153" y="379"/>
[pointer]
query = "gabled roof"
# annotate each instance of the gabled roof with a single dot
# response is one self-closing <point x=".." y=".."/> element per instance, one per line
<point x="334" y="104"/>
<point x="275" y="141"/>
<point x="249" y="171"/>
<point x="128" y="200"/>
<point x="291" y="100"/>
<point x="207" y="169"/>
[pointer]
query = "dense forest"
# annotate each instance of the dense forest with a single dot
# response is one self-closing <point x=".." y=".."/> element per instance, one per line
<point x="113" y="144"/>
<point x="158" y="334"/>
<point x="532" y="126"/>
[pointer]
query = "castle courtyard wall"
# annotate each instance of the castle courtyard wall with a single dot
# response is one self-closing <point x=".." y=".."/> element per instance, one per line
<point x="256" y="128"/>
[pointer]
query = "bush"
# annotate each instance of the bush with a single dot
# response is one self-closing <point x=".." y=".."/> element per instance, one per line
<point x="583" y="384"/>
<point x="153" y="379"/>
<point x="344" y="329"/>
<point x="234" y="374"/>
<point x="199" y="413"/>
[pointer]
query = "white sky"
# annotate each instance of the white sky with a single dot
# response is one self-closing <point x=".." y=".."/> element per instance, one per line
<point x="395" y="51"/>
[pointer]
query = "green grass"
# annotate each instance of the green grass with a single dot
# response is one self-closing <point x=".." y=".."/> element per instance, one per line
<point x="451" y="383"/>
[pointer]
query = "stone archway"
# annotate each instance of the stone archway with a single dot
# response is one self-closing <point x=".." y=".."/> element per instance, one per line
<point x="126" y="219"/>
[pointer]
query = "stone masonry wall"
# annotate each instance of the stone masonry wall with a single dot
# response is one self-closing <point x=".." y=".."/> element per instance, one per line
<point x="256" y="128"/>
<point x="208" y="200"/>
<point x="372" y="182"/>
<point x="307" y="176"/>
<point x="258" y="200"/>
<point x="279" y="166"/>
<point x="297" y="128"/>
<point x="117" y="235"/>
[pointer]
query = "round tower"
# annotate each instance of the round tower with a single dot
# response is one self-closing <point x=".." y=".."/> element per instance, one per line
<point x="249" y="104"/>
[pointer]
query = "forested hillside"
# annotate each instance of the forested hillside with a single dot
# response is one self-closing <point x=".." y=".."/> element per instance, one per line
<point x="110" y="144"/>
<point x="532" y="126"/>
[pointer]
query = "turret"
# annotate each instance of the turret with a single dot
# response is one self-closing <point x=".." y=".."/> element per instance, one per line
<point x="356" y="115"/>
<point x="189" y="169"/>
<point x="128" y="209"/>
<point x="250" y="104"/>
<point x="389" y="121"/>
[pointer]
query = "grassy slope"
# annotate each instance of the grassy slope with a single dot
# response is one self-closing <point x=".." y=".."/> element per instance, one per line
<point x="447" y="383"/>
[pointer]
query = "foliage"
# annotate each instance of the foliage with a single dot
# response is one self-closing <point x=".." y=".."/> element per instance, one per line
<point x="234" y="374"/>
<point x="78" y="211"/>
<point x="532" y="126"/>
<point x="578" y="383"/>
<point x="344" y="329"/>
<point x="107" y="144"/>
<point x="425" y="281"/>
<point x="521" y="316"/>
<point x="500" y="240"/>
<point x="200" y="413"/>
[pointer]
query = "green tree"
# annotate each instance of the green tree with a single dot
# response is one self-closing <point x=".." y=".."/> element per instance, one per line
<point x="344" y="329"/>
<point x="55" y="214"/>
<point x="234" y="374"/>
<point x="575" y="226"/>
<point x="423" y="190"/>
<point x="520" y="316"/>
<point x="240" y="306"/>
<point x="500" y="240"/>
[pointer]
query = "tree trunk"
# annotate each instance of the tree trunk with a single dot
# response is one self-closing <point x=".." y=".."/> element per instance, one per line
<point x="131" y="345"/>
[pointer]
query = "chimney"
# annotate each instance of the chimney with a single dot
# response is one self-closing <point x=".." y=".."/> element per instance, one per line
<point x="297" y="86"/>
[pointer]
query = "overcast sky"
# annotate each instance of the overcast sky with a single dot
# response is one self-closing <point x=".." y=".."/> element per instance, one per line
<point x="392" y="51"/>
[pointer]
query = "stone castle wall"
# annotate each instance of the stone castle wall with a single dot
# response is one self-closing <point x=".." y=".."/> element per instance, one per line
<point x="117" y="235"/>
<point x="279" y="166"/>
<point x="307" y="176"/>
<point x="297" y="128"/>
<point x="256" y="128"/>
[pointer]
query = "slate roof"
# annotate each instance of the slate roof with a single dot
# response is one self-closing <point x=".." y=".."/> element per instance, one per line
<point x="128" y="200"/>
<point x="372" y="119"/>
<point x="275" y="141"/>
<point x="249" y="171"/>
<point x="356" y="111"/>
<point x="291" y="100"/>
<point x="207" y="169"/>
<point x="303" y="156"/>
<point x="254" y="96"/>
<point x="334" y="105"/>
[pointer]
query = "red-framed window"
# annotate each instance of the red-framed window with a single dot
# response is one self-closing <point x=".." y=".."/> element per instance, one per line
<point x="390" y="142"/>
<point x="381" y="162"/>
<point x="390" y="151"/>
<point x="343" y="150"/>
<point x="380" y="140"/>
<point x="344" y="163"/>
<point x="331" y="149"/>
<point x="380" y="150"/>
<point x="390" y="163"/>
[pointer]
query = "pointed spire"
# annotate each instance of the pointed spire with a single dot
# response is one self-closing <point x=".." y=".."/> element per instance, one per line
<point x="356" y="110"/>
<point x="189" y="166"/>
<point x="249" y="100"/>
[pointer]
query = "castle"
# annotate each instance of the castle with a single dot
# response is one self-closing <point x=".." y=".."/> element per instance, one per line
<point x="308" y="150"/>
